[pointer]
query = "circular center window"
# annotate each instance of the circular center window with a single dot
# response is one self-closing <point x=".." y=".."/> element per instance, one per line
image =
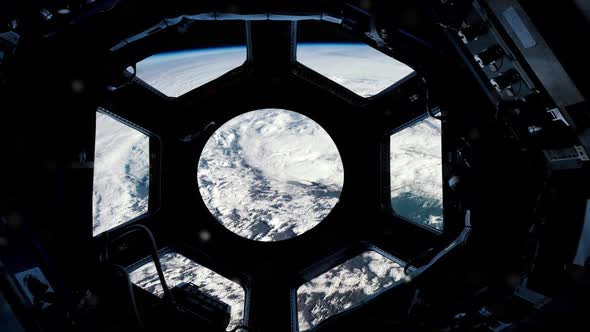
<point x="270" y="174"/>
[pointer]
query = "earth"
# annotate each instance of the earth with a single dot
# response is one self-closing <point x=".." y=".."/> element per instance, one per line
<point x="270" y="174"/>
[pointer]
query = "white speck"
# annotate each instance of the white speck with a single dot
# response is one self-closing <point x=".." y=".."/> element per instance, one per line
<point x="205" y="236"/>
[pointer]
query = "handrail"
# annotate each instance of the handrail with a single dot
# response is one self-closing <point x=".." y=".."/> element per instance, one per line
<point x="154" y="253"/>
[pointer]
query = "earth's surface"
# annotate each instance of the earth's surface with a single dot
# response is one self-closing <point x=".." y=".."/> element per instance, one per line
<point x="270" y="174"/>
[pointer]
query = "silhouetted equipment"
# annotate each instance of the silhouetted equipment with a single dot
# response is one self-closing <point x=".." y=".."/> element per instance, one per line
<point x="489" y="55"/>
<point x="203" y="306"/>
<point x="505" y="80"/>
<point x="39" y="290"/>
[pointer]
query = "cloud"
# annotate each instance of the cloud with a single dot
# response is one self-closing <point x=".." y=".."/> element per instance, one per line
<point x="270" y="174"/>
<point x="121" y="174"/>
<point x="344" y="287"/>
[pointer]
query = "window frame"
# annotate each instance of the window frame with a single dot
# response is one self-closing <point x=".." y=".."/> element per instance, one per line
<point x="352" y="39"/>
<point x="154" y="191"/>
<point x="132" y="267"/>
<point x="386" y="175"/>
<point x="340" y="257"/>
<point x="335" y="260"/>
<point x="147" y="43"/>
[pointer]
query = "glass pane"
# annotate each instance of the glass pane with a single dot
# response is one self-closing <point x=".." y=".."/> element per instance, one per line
<point x="345" y="287"/>
<point x="176" y="73"/>
<point x="121" y="174"/>
<point x="356" y="66"/>
<point x="178" y="269"/>
<point x="416" y="173"/>
<point x="270" y="174"/>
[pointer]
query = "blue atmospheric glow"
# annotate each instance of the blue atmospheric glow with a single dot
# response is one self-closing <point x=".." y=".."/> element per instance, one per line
<point x="195" y="51"/>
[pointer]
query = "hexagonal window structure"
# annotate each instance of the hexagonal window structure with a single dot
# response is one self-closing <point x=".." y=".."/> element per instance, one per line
<point x="346" y="286"/>
<point x="179" y="269"/>
<point x="270" y="174"/>
<point x="121" y="173"/>
<point x="355" y="65"/>
<point x="416" y="173"/>
<point x="176" y="73"/>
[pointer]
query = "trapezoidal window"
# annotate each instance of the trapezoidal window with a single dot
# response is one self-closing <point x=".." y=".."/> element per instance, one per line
<point x="416" y="173"/>
<point x="121" y="173"/>
<point x="203" y="52"/>
<point x="346" y="286"/>
<point x="179" y="269"/>
<point x="356" y="66"/>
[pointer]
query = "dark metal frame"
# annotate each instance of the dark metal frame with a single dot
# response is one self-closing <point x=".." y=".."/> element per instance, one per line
<point x="167" y="250"/>
<point x="309" y="77"/>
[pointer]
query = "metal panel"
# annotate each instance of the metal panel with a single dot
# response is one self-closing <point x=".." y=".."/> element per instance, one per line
<point x="539" y="56"/>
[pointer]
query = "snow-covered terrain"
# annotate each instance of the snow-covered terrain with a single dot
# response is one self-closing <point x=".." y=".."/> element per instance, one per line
<point x="175" y="74"/>
<point x="358" y="67"/>
<point x="121" y="174"/>
<point x="344" y="287"/>
<point x="270" y="174"/>
<point x="178" y="269"/>
<point x="416" y="173"/>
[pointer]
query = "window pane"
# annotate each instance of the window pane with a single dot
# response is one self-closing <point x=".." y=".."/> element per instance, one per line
<point x="8" y="320"/>
<point x="345" y="287"/>
<point x="270" y="174"/>
<point x="416" y="173"/>
<point x="176" y="73"/>
<point x="356" y="66"/>
<point x="121" y="174"/>
<point x="178" y="269"/>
